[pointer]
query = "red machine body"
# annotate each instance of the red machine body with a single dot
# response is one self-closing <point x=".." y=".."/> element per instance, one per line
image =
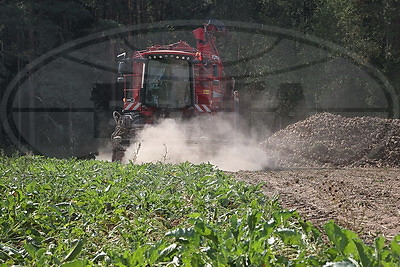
<point x="198" y="85"/>
<point x="172" y="81"/>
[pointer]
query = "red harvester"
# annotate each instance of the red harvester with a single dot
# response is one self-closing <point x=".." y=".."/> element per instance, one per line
<point x="172" y="81"/>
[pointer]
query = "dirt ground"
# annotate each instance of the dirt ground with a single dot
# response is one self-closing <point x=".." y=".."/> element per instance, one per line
<point x="365" y="200"/>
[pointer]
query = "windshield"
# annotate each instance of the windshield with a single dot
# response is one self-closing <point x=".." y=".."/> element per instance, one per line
<point x="168" y="84"/>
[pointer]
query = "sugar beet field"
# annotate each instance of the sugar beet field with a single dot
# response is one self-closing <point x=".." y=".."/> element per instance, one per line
<point x="88" y="213"/>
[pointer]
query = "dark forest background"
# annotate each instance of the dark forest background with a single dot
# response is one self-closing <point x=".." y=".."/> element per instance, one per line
<point x="370" y="28"/>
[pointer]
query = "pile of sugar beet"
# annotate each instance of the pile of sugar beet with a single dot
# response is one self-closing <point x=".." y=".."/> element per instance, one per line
<point x="328" y="140"/>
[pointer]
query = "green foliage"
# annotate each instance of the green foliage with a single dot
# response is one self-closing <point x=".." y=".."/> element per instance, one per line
<point x="81" y="213"/>
<point x="349" y="249"/>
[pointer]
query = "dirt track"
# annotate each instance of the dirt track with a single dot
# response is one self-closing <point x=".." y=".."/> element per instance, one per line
<point x="365" y="200"/>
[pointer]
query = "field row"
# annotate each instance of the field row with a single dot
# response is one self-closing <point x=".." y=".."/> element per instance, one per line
<point x="85" y="213"/>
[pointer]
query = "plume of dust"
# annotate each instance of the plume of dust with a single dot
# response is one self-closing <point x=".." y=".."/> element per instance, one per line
<point x="214" y="139"/>
<point x="104" y="152"/>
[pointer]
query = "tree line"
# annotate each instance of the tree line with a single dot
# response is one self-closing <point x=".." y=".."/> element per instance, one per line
<point x="29" y="28"/>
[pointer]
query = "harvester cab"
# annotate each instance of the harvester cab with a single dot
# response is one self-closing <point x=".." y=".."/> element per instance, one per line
<point x="171" y="81"/>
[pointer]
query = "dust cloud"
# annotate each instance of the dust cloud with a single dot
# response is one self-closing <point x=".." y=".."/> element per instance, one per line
<point x="104" y="153"/>
<point x="215" y="139"/>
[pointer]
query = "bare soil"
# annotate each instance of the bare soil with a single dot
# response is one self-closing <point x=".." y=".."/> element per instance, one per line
<point x="365" y="200"/>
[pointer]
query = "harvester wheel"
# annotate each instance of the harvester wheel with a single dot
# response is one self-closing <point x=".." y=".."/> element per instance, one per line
<point x="126" y="127"/>
<point x="120" y="131"/>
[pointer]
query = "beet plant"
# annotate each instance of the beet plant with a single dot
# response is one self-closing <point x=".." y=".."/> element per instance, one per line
<point x="86" y="213"/>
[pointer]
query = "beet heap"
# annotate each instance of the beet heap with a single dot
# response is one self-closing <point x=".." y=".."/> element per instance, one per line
<point x="328" y="140"/>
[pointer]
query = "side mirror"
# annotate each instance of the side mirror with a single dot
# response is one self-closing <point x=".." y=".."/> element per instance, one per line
<point x="121" y="67"/>
<point x="142" y="96"/>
